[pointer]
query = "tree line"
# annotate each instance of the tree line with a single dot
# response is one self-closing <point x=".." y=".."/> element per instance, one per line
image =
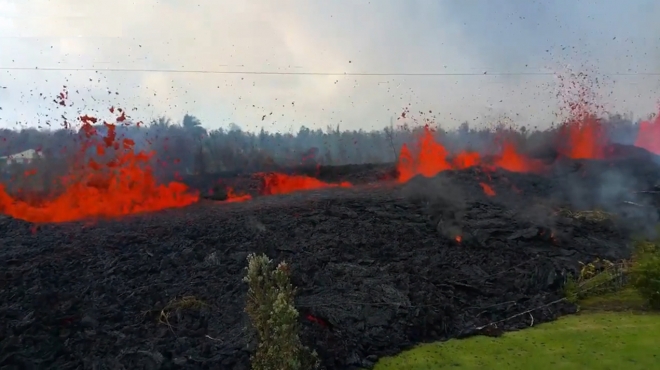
<point x="186" y="146"/>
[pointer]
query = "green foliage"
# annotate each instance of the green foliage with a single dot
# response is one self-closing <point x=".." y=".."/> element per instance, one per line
<point x="270" y="306"/>
<point x="571" y="289"/>
<point x="645" y="272"/>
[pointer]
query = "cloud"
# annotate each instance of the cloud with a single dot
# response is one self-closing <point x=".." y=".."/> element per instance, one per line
<point x="303" y="36"/>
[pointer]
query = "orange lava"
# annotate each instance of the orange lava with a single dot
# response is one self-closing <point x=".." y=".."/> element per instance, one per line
<point x="487" y="189"/>
<point x="583" y="135"/>
<point x="513" y="161"/>
<point x="233" y="197"/>
<point x="465" y="160"/>
<point x="583" y="138"/>
<point x="278" y="183"/>
<point x="430" y="158"/>
<point x="458" y="239"/>
<point x="648" y="136"/>
<point x="121" y="186"/>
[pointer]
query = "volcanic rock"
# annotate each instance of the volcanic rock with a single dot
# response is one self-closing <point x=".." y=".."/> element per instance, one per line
<point x="378" y="269"/>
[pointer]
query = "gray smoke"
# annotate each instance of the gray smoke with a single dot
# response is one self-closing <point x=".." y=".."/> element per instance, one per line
<point x="618" y="190"/>
<point x="442" y="199"/>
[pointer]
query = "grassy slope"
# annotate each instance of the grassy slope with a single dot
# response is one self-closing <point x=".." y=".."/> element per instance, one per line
<point x="597" y="338"/>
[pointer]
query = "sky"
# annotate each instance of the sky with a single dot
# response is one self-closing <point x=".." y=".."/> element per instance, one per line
<point x="477" y="40"/>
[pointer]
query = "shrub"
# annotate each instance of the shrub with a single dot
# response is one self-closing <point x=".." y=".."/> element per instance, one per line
<point x="596" y="278"/>
<point x="270" y="306"/>
<point x="645" y="272"/>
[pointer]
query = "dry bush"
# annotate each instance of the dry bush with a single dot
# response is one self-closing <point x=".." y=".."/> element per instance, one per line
<point x="270" y="306"/>
<point x="594" y="216"/>
<point x="597" y="278"/>
<point x="175" y="308"/>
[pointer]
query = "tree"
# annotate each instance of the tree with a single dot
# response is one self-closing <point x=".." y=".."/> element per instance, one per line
<point x="194" y="131"/>
<point x="193" y="126"/>
<point x="233" y="127"/>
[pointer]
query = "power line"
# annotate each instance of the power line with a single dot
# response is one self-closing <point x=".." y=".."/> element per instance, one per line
<point x="280" y="73"/>
<point x="193" y="71"/>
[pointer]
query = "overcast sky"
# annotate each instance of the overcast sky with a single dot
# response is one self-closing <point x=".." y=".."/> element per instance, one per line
<point x="379" y="36"/>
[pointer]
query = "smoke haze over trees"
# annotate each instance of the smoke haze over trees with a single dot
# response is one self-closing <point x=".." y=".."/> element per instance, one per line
<point x="185" y="146"/>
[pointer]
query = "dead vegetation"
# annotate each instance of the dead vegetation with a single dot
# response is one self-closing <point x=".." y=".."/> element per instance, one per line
<point x="596" y="278"/>
<point x="596" y="215"/>
<point x="632" y="284"/>
<point x="176" y="306"/>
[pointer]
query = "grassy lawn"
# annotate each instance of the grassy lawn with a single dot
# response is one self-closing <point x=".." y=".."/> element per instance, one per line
<point x="611" y="332"/>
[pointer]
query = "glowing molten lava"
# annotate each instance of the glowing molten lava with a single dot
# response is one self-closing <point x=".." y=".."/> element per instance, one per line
<point x="583" y="138"/>
<point x="466" y="160"/>
<point x="648" y="136"/>
<point x="488" y="190"/>
<point x="233" y="197"/>
<point x="122" y="185"/>
<point x="278" y="183"/>
<point x="430" y="158"/>
<point x="513" y="161"/>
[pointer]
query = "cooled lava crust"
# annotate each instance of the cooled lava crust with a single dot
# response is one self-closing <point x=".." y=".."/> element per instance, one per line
<point x="379" y="268"/>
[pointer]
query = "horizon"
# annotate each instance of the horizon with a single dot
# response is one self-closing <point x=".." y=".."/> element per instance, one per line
<point x="407" y="123"/>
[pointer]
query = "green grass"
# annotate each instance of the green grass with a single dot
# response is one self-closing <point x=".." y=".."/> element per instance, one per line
<point x="627" y="299"/>
<point x="594" y="339"/>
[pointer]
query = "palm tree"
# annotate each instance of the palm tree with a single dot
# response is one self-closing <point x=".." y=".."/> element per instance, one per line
<point x="193" y="129"/>
<point x="161" y="123"/>
<point x="193" y="126"/>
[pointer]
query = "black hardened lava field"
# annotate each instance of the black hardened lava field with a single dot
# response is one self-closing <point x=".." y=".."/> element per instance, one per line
<point x="379" y="267"/>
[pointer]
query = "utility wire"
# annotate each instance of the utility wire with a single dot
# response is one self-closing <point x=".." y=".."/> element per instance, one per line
<point x="276" y="73"/>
